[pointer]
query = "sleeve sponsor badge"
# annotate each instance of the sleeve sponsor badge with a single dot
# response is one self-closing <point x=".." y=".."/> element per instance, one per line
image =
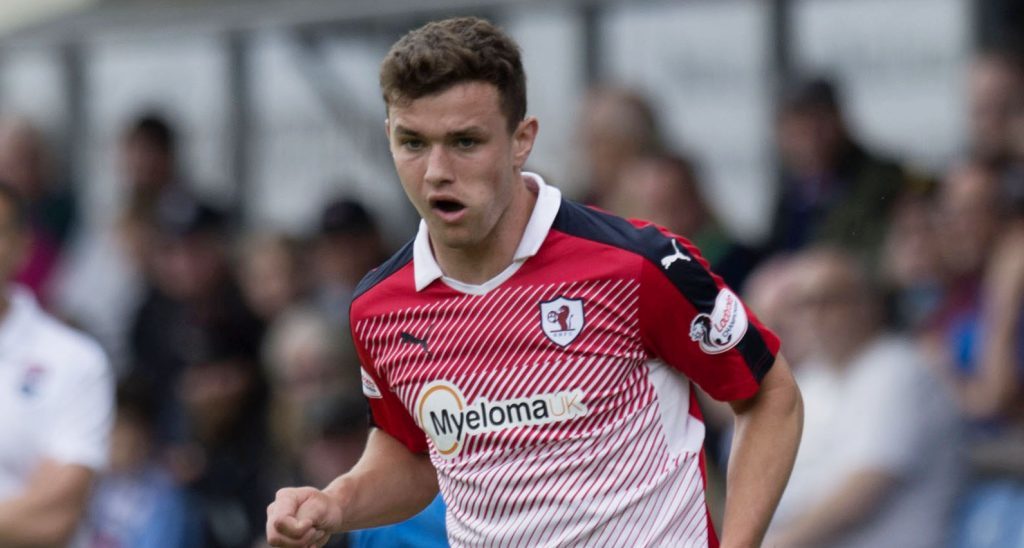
<point x="370" y="388"/>
<point x="723" y="329"/>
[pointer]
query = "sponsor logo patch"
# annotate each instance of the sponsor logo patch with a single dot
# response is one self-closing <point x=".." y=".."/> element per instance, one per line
<point x="562" y="320"/>
<point x="370" y="388"/>
<point x="449" y="419"/>
<point x="723" y="328"/>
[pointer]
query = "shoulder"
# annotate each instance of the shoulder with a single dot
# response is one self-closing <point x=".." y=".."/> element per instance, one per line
<point x="389" y="267"/>
<point x="65" y="347"/>
<point x="640" y="238"/>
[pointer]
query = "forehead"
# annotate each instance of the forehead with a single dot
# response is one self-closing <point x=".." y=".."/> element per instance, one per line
<point x="460" y="106"/>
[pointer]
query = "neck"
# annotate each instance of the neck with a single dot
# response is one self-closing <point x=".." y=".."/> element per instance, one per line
<point x="844" y="354"/>
<point x="487" y="259"/>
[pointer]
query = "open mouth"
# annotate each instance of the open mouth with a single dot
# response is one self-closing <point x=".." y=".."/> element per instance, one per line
<point x="447" y="206"/>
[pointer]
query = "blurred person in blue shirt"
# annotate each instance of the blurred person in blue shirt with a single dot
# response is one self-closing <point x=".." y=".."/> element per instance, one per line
<point x="136" y="503"/>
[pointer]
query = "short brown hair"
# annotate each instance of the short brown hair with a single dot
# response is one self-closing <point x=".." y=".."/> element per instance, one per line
<point x="441" y="54"/>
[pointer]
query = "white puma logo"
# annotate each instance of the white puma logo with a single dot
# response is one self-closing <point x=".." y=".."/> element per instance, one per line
<point x="667" y="260"/>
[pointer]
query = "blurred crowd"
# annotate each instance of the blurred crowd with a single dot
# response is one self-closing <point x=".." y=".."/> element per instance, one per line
<point x="898" y="296"/>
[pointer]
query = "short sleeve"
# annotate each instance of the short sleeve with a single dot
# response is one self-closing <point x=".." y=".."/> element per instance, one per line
<point x="696" y="324"/>
<point x="82" y="414"/>
<point x="386" y="410"/>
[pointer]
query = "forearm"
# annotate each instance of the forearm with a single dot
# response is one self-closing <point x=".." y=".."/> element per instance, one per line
<point x="48" y="510"/>
<point x="994" y="387"/>
<point x="768" y="429"/>
<point x="20" y="526"/>
<point x="388" y="484"/>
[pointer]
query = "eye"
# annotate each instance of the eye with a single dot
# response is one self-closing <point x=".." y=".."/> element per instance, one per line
<point x="412" y="144"/>
<point x="466" y="143"/>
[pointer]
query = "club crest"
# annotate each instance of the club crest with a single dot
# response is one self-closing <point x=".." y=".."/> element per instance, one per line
<point x="562" y="320"/>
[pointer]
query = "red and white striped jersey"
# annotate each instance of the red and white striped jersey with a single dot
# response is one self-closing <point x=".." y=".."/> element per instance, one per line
<point x="556" y="400"/>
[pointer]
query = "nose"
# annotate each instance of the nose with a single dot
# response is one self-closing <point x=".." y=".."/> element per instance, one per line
<point x="439" y="168"/>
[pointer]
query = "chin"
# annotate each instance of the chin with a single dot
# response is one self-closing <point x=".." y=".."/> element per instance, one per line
<point x="462" y="240"/>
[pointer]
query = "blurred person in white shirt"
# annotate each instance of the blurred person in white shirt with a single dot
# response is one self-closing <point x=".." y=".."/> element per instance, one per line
<point x="56" y="406"/>
<point x="878" y="464"/>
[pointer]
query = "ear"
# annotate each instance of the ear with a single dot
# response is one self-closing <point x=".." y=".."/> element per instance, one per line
<point x="387" y="129"/>
<point x="522" y="141"/>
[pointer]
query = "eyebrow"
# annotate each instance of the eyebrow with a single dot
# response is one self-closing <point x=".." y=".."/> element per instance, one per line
<point x="473" y="130"/>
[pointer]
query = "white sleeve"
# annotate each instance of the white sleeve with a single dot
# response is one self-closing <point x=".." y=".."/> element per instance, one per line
<point x="82" y="415"/>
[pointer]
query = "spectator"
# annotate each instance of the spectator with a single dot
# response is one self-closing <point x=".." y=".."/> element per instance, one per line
<point x="137" y="503"/>
<point x="995" y="88"/>
<point x="27" y="165"/>
<point x="56" y="406"/>
<point x="105" y="279"/>
<point x="347" y="247"/>
<point x="270" y="274"/>
<point x="616" y="125"/>
<point x="191" y="297"/>
<point x="310" y="363"/>
<point x="972" y="220"/>
<point x="770" y="292"/>
<point x="832" y="189"/>
<point x="664" y="188"/>
<point x="225" y="458"/>
<point x="320" y="421"/>
<point x="878" y="462"/>
<point x="912" y="268"/>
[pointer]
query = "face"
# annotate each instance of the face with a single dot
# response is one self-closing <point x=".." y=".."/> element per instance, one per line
<point x="994" y="91"/>
<point x="13" y="242"/>
<point x="22" y="160"/>
<point x="144" y="165"/>
<point x="459" y="165"/>
<point x="809" y="140"/>
<point x="968" y="219"/>
<point x="662" y="193"/>
<point x="831" y="307"/>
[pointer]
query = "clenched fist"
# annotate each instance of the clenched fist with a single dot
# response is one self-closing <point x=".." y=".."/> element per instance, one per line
<point x="301" y="517"/>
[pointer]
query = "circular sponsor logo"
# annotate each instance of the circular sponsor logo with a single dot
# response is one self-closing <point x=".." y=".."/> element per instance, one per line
<point x="439" y="413"/>
<point x="723" y="328"/>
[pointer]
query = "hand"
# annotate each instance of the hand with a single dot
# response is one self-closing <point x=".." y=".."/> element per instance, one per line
<point x="302" y="517"/>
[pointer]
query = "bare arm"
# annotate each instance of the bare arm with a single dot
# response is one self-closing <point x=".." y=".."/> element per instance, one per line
<point x="850" y="504"/>
<point x="993" y="390"/>
<point x="387" y="485"/>
<point x="48" y="510"/>
<point x="768" y="429"/>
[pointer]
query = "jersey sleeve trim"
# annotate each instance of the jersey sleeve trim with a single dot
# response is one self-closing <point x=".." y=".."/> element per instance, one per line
<point x="385" y="270"/>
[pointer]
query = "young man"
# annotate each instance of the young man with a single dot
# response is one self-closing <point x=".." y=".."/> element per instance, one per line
<point x="56" y="406"/>
<point x="533" y="357"/>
